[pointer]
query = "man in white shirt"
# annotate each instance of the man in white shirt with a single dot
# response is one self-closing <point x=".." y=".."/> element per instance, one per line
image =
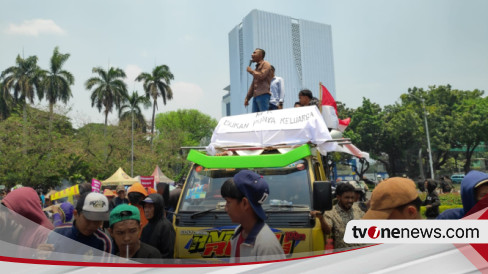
<point x="277" y="88"/>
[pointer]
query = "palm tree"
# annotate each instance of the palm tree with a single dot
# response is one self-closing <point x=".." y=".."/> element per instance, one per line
<point x="24" y="80"/>
<point x="109" y="90"/>
<point x="6" y="101"/>
<point x="131" y="110"/>
<point x="155" y="85"/>
<point x="134" y="112"/>
<point x="56" y="84"/>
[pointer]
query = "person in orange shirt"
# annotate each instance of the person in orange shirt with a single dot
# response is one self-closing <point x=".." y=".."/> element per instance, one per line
<point x="136" y="194"/>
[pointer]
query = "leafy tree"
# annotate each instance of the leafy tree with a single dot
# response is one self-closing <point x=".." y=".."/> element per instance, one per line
<point x="56" y="83"/>
<point x="27" y="161"/>
<point x="155" y="85"/>
<point x="195" y="126"/>
<point x="109" y="89"/>
<point x="343" y="111"/>
<point x="366" y="127"/>
<point x="187" y="127"/>
<point x="471" y="126"/>
<point x="93" y="140"/>
<point x="131" y="110"/>
<point x="398" y="139"/>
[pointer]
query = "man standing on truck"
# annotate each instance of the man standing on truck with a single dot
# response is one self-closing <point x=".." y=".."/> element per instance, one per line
<point x="277" y="91"/>
<point x="253" y="240"/>
<point x="260" y="86"/>
<point x="334" y="221"/>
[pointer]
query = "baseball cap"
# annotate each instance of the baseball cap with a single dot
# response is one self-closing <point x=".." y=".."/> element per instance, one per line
<point x="388" y="195"/>
<point x="95" y="207"/>
<point x="148" y="200"/>
<point x="120" y="188"/>
<point x="124" y="212"/>
<point x="254" y="188"/>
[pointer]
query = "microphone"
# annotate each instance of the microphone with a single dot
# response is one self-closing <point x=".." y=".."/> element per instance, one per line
<point x="250" y="63"/>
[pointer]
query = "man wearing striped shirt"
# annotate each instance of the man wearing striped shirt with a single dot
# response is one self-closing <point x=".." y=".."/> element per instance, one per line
<point x="91" y="210"/>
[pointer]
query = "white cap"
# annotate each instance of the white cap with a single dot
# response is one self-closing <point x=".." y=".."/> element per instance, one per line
<point x="95" y="207"/>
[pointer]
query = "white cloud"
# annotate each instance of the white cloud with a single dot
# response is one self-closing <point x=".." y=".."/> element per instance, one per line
<point x="131" y="71"/>
<point x="35" y="27"/>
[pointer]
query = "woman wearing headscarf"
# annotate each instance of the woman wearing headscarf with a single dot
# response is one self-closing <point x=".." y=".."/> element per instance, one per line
<point x="27" y="218"/>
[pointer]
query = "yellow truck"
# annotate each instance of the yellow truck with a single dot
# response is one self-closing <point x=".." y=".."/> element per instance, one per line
<point x="297" y="182"/>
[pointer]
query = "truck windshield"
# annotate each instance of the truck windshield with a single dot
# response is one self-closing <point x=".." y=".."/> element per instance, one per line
<point x="289" y="188"/>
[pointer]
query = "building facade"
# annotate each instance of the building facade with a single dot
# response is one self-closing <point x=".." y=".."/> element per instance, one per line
<point x="300" y="50"/>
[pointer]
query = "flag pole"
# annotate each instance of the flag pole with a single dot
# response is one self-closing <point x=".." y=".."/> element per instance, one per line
<point x="320" y="95"/>
<point x="319" y="156"/>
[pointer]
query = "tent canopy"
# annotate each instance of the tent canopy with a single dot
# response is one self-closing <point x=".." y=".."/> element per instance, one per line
<point x="159" y="176"/>
<point x="119" y="178"/>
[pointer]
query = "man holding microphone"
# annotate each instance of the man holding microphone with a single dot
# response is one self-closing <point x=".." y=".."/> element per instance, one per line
<point x="260" y="86"/>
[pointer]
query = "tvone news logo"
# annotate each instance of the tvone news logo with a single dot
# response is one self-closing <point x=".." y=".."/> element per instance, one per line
<point x="373" y="232"/>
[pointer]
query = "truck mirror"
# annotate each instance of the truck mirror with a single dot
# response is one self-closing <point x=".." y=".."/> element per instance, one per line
<point x="322" y="195"/>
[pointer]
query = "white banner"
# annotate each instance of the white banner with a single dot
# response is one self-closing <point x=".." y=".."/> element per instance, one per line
<point x="416" y="231"/>
<point x="289" y="118"/>
<point x="289" y="126"/>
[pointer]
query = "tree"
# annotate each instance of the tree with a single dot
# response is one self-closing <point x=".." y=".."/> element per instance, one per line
<point x="366" y="127"/>
<point x="24" y="80"/>
<point x="131" y="109"/>
<point x="93" y="139"/>
<point x="134" y="112"/>
<point x="195" y="126"/>
<point x="155" y="85"/>
<point x="38" y="165"/>
<point x="56" y="83"/>
<point x="187" y="127"/>
<point x="6" y="102"/>
<point x="110" y="90"/>
<point x="471" y="126"/>
<point x="400" y="138"/>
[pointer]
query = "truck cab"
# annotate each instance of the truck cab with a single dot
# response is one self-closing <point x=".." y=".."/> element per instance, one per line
<point x="296" y="179"/>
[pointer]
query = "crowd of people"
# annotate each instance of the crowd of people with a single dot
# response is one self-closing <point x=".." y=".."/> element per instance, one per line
<point x="97" y="226"/>
<point x="137" y="227"/>
<point x="398" y="198"/>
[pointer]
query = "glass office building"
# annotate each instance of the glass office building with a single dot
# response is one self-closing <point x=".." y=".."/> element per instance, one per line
<point x="300" y="50"/>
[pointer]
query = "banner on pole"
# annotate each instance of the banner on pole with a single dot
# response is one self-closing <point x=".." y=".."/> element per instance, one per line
<point x="147" y="181"/>
<point x="96" y="184"/>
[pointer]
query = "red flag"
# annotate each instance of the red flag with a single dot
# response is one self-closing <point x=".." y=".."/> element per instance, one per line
<point x="329" y="111"/>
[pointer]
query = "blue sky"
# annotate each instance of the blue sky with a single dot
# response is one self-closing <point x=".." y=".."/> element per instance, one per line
<point x="381" y="47"/>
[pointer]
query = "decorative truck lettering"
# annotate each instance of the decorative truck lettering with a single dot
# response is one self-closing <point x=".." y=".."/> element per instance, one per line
<point x="215" y="243"/>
